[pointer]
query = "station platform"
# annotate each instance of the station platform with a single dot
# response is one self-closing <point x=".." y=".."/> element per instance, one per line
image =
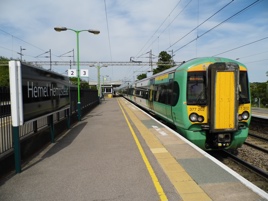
<point x="119" y="153"/>
<point x="260" y="112"/>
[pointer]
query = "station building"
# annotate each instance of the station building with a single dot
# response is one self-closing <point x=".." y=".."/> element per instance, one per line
<point x="106" y="86"/>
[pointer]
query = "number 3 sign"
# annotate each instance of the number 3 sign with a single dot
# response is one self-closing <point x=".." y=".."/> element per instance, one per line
<point x="83" y="73"/>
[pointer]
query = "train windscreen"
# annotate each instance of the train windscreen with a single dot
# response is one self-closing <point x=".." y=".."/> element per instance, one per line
<point x="243" y="88"/>
<point x="196" y="88"/>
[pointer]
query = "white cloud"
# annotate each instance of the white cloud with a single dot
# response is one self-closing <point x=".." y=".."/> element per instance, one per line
<point x="131" y="25"/>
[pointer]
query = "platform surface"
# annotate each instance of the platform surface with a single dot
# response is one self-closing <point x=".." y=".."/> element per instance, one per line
<point x="117" y="152"/>
<point x="260" y="112"/>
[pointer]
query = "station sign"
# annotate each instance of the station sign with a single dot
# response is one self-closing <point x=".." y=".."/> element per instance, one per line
<point x="36" y="92"/>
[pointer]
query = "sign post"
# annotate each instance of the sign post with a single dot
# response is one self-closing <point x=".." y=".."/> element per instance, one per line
<point x="16" y="109"/>
<point x="35" y="93"/>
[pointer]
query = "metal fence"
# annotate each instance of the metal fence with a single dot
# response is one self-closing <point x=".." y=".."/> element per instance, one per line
<point x="5" y="120"/>
<point x="89" y="99"/>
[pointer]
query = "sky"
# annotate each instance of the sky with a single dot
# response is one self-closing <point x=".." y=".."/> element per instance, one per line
<point x="235" y="29"/>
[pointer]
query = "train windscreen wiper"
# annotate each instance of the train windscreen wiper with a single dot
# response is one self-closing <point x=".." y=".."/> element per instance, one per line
<point x="199" y="100"/>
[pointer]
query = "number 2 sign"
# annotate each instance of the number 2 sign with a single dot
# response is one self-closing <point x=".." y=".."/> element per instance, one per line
<point x="72" y="73"/>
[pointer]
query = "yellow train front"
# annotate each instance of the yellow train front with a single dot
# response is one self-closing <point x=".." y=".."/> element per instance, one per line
<point x="216" y="101"/>
<point x="206" y="99"/>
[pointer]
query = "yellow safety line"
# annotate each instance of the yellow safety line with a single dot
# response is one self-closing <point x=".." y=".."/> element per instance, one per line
<point x="187" y="188"/>
<point x="155" y="180"/>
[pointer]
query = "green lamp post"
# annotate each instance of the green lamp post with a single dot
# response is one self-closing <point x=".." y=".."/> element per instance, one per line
<point x="59" y="29"/>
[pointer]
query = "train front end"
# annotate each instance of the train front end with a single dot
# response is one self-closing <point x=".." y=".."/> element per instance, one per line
<point x="218" y="104"/>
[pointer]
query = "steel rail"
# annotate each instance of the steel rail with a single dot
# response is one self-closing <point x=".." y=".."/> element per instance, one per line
<point x="256" y="147"/>
<point x="257" y="170"/>
<point x="259" y="137"/>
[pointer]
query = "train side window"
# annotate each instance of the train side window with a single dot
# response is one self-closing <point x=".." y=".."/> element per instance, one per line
<point x="157" y="93"/>
<point x="163" y="94"/>
<point x="154" y="93"/>
<point x="175" y="93"/>
<point x="169" y="93"/>
<point x="145" y="94"/>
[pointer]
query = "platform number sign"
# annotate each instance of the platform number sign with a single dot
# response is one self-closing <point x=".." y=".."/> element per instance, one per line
<point x="72" y="73"/>
<point x="83" y="73"/>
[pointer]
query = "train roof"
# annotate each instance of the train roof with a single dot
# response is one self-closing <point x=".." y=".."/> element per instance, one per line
<point x="186" y="65"/>
<point x="195" y="61"/>
<point x="201" y="60"/>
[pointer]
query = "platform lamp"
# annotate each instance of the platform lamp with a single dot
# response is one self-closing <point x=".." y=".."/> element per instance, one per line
<point x="59" y="29"/>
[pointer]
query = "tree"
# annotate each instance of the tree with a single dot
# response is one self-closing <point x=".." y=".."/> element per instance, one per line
<point x="259" y="90"/>
<point x="142" y="76"/>
<point x="164" y="62"/>
<point x="4" y="75"/>
<point x="93" y="87"/>
<point x="83" y="84"/>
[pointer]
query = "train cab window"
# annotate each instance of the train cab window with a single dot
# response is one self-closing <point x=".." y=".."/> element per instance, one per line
<point x="196" y="88"/>
<point x="243" y="88"/>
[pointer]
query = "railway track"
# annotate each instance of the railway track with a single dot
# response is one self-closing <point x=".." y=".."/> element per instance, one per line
<point x="249" y="166"/>
<point x="250" y="160"/>
<point x="259" y="137"/>
<point x="259" y="124"/>
<point x="257" y="142"/>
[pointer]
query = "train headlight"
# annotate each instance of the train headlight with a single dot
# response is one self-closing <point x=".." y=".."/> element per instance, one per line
<point x="193" y="117"/>
<point x="200" y="119"/>
<point x="245" y="115"/>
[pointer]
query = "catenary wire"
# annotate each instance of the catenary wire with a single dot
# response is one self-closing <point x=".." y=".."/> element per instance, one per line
<point x="237" y="13"/>
<point x="108" y="31"/>
<point x="200" y="24"/>
<point x="169" y="24"/>
<point x="22" y="40"/>
<point x="241" y="46"/>
<point x="158" y="28"/>
<point x="251" y="55"/>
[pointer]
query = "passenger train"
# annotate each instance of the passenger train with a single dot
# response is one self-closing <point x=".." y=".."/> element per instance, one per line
<point x="206" y="99"/>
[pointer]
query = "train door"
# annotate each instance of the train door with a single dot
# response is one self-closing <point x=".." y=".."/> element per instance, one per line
<point x="151" y="94"/>
<point x="223" y="84"/>
<point x="170" y="98"/>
